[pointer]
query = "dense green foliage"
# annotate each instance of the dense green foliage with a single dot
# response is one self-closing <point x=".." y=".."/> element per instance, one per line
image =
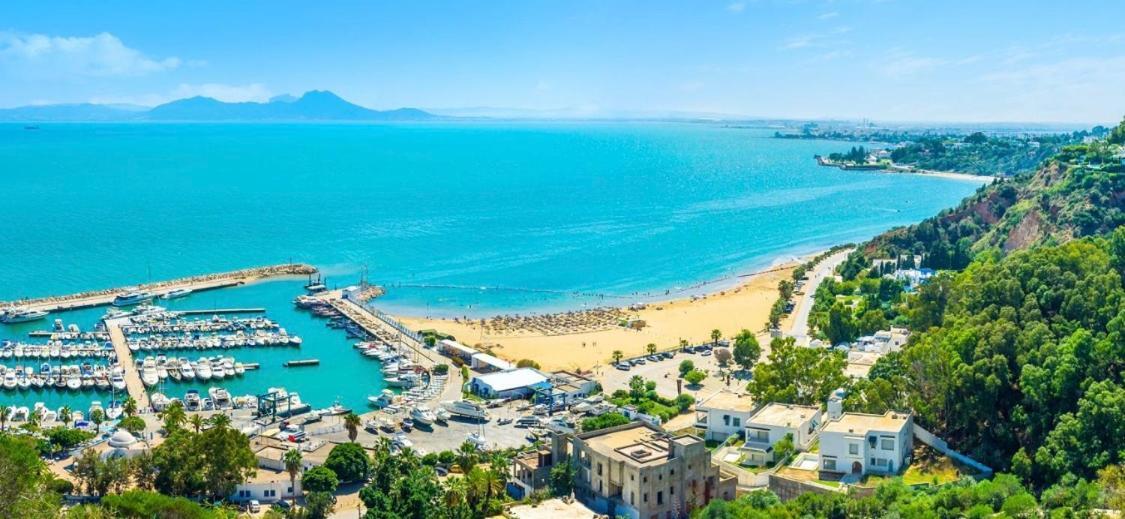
<point x="1002" y="496"/>
<point x="349" y="462"/>
<point x="642" y="395"/>
<point x="139" y="504"/>
<point x="1077" y="193"/>
<point x="746" y="349"/>
<point x="206" y="464"/>
<point x="24" y="480"/>
<point x="980" y="154"/>
<point x="403" y="487"/>
<point x="319" y="479"/>
<point x="1024" y="368"/>
<point x="604" y="421"/>
<point x="844" y="310"/>
<point x="796" y="375"/>
<point x="857" y="154"/>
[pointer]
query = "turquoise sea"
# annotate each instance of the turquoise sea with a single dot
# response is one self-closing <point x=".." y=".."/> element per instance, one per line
<point x="469" y="218"/>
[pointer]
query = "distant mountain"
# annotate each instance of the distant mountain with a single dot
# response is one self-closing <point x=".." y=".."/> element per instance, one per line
<point x="316" y="105"/>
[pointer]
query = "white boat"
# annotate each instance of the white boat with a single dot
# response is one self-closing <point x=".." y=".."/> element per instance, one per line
<point x="402" y="442"/>
<point x="131" y="298"/>
<point x="423" y="415"/>
<point x="117" y="381"/>
<point x="239" y="368"/>
<point x="191" y="400"/>
<point x="203" y="369"/>
<point x="148" y="373"/>
<point x="466" y="409"/>
<point x="10" y="381"/>
<point x="220" y="397"/>
<point x="384" y="399"/>
<point x="115" y="410"/>
<point x="186" y="370"/>
<point x="337" y="409"/>
<point x="159" y="401"/>
<point x="441" y="415"/>
<point x="21" y="315"/>
<point x="477" y="440"/>
<point x="177" y="293"/>
<point x="217" y="370"/>
<point x="74" y="381"/>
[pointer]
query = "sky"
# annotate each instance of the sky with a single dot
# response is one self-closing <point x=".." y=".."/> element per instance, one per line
<point x="885" y="60"/>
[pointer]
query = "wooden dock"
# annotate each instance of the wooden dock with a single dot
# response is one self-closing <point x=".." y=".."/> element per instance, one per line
<point x="133" y="382"/>
<point x="195" y="283"/>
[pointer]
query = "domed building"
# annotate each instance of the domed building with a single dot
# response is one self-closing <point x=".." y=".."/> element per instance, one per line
<point x="123" y="445"/>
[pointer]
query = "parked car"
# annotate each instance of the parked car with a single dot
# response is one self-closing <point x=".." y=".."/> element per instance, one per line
<point x="668" y="354"/>
<point x="527" y="421"/>
<point x="254" y="506"/>
<point x="654" y="358"/>
<point x="623" y="366"/>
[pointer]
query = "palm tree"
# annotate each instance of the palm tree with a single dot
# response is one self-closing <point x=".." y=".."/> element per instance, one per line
<point x="293" y="466"/>
<point x="129" y="407"/>
<point x="173" y="416"/>
<point x="351" y="423"/>
<point x="617" y="355"/>
<point x="196" y="422"/>
<point x="684" y="344"/>
<point x="651" y="348"/>
<point x="65" y="415"/>
<point x="4" y="412"/>
<point x="466" y="457"/>
<point x="715" y="336"/>
<point x="219" y="421"/>
<point x="98" y="416"/>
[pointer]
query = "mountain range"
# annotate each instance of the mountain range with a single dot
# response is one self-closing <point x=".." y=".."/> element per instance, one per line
<point x="316" y="105"/>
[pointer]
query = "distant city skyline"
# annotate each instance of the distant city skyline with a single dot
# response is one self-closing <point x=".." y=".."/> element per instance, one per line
<point x="959" y="61"/>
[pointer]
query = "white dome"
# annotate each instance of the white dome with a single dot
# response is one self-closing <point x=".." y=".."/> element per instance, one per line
<point x="122" y="439"/>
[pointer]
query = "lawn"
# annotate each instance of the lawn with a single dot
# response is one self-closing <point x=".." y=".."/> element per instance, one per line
<point x="931" y="470"/>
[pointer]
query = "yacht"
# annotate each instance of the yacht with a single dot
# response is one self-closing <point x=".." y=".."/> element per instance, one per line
<point x="117" y="381"/>
<point x="441" y="415"/>
<point x="384" y="399"/>
<point x="131" y="298"/>
<point x="21" y="315"/>
<point x="159" y="401"/>
<point x="74" y="381"/>
<point x="186" y="370"/>
<point x="10" y="381"/>
<point x="477" y="440"/>
<point x="422" y="414"/>
<point x="148" y="372"/>
<point x="220" y="397"/>
<point x="177" y="293"/>
<point x="191" y="400"/>
<point x="466" y="409"/>
<point x="203" y="369"/>
<point x="337" y="409"/>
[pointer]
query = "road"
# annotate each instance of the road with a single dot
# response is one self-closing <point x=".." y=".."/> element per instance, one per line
<point x="800" y="327"/>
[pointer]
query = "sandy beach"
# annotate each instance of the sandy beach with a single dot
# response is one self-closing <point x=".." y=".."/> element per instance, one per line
<point x="746" y="305"/>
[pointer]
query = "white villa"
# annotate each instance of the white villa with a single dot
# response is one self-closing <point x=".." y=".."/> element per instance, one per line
<point x="772" y="423"/>
<point x="859" y="443"/>
<point x="723" y="414"/>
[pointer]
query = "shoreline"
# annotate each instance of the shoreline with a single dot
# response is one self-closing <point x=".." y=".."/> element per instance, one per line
<point x="743" y="304"/>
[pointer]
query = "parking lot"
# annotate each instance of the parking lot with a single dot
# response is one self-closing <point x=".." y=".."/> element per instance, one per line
<point x="665" y="372"/>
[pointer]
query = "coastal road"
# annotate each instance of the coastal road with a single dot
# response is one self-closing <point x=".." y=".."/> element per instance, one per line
<point x="800" y="326"/>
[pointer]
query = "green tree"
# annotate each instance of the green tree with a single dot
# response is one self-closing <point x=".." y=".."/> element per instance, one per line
<point x="694" y="377"/>
<point x="174" y="416"/>
<point x="319" y="504"/>
<point x="527" y="363"/>
<point x="796" y="375"/>
<point x="349" y="462"/>
<point x="134" y="424"/>
<point x="320" y="479"/>
<point x="616" y="356"/>
<point x="292" y="461"/>
<point x="562" y="477"/>
<point x="604" y="421"/>
<point x="651" y="348"/>
<point x="351" y="423"/>
<point x="686" y="366"/>
<point x="715" y="336"/>
<point x="129" y="407"/>
<point x="24" y="479"/>
<point x="66" y="415"/>
<point x="746" y="349"/>
<point x="5" y="412"/>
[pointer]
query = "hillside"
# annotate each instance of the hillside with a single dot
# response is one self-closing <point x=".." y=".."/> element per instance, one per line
<point x="1078" y="192"/>
<point x="316" y="105"/>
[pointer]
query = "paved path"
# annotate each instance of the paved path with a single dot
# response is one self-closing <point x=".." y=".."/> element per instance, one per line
<point x="125" y="358"/>
<point x="800" y="327"/>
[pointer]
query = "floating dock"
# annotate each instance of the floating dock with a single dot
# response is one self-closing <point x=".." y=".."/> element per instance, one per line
<point x="195" y="284"/>
<point x="302" y="362"/>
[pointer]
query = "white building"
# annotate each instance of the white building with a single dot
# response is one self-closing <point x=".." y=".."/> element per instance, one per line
<point x="484" y="362"/>
<point x="509" y="384"/>
<point x="456" y="349"/>
<point x="267" y="486"/>
<point x="859" y="443"/>
<point x="723" y="414"/>
<point x="776" y="421"/>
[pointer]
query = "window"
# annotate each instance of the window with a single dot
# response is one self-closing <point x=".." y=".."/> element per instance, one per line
<point x="758" y="435"/>
<point x="599" y="468"/>
<point x="888" y="444"/>
<point x="726" y="419"/>
<point x="879" y="462"/>
<point x="644" y="497"/>
<point x="829" y="463"/>
<point x="632" y="477"/>
<point x="289" y="490"/>
<point x="737" y="422"/>
<point x="853" y="449"/>
<point x="631" y="500"/>
<point x="671" y="491"/>
<point x="660" y="497"/>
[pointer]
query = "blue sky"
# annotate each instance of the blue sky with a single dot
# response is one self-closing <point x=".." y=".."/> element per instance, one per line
<point x="897" y="60"/>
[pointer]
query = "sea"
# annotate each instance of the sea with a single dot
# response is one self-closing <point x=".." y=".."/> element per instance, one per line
<point x="454" y="218"/>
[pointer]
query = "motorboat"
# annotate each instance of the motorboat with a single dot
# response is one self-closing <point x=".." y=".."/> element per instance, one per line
<point x="10" y="380"/>
<point x="186" y="371"/>
<point x="191" y="400"/>
<point x="131" y="298"/>
<point x="117" y="380"/>
<point x="402" y="442"/>
<point x="203" y="369"/>
<point x="384" y="399"/>
<point x="220" y="397"/>
<point x="21" y="315"/>
<point x="441" y="415"/>
<point x="115" y="410"/>
<point x="423" y="415"/>
<point x="177" y="293"/>
<point x="149" y="375"/>
<point x="477" y="440"/>
<point x="74" y="381"/>
<point x="337" y="409"/>
<point x="158" y="401"/>
<point x="466" y="409"/>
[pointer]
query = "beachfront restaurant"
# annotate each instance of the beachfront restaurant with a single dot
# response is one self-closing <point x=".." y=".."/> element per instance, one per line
<point x="451" y="348"/>
<point x="485" y="363"/>
<point x="514" y="383"/>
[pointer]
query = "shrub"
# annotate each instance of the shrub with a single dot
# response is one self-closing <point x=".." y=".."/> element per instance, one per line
<point x="527" y="363"/>
<point x="349" y="462"/>
<point x="604" y="421"/>
<point x="694" y="377"/>
<point x="320" y="479"/>
<point x="686" y="367"/>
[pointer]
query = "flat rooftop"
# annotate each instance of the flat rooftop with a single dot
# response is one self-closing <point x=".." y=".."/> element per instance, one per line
<point x="727" y="400"/>
<point x="553" y="509"/>
<point x="861" y="423"/>
<point x="783" y="415"/>
<point x="635" y="444"/>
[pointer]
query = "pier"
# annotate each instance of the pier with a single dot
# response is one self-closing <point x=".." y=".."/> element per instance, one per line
<point x="223" y="311"/>
<point x="373" y="325"/>
<point x="125" y="357"/>
<point x="194" y="283"/>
